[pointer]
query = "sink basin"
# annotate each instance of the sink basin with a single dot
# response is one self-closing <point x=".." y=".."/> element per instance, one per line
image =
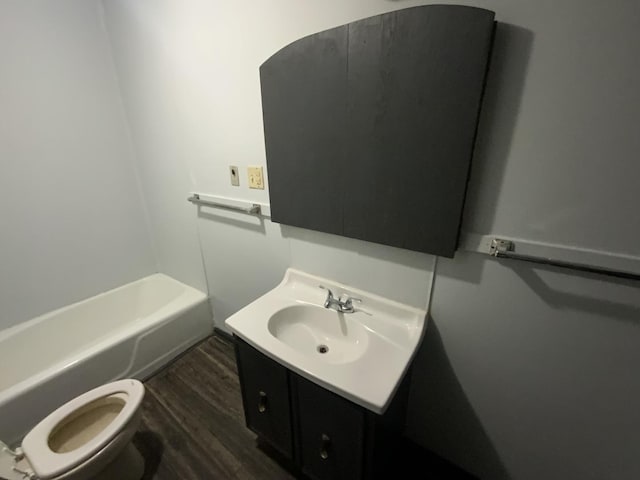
<point x="325" y="334"/>
<point x="361" y="356"/>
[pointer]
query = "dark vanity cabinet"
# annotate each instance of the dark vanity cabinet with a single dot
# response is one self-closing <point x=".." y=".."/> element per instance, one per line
<point x="325" y="435"/>
<point x="267" y="410"/>
<point x="370" y="126"/>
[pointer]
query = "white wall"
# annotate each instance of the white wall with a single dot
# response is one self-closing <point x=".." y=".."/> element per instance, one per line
<point x="525" y="373"/>
<point x="71" y="216"/>
<point x="245" y="258"/>
<point x="556" y="153"/>
<point x="189" y="76"/>
<point x="530" y="372"/>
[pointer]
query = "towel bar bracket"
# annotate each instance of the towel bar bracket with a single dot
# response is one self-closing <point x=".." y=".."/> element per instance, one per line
<point x="499" y="246"/>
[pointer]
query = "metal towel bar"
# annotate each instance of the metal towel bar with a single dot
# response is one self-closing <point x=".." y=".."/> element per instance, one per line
<point x="254" y="209"/>
<point x="505" y="249"/>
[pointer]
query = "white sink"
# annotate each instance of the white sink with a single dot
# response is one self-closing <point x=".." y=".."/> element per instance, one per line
<point x="362" y="356"/>
<point x="321" y="333"/>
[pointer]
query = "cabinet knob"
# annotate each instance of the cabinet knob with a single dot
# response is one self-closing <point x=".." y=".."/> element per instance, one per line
<point x="262" y="402"/>
<point x="324" y="449"/>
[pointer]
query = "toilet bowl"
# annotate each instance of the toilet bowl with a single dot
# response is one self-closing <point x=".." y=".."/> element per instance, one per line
<point x="88" y="437"/>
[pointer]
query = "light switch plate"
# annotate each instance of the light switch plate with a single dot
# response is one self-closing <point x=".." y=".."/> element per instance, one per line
<point x="256" y="179"/>
<point x="234" y="175"/>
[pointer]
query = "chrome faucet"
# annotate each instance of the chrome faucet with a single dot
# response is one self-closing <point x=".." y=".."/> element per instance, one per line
<point x="339" y="304"/>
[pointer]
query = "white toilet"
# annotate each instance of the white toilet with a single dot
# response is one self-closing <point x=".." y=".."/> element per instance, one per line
<point x="88" y="437"/>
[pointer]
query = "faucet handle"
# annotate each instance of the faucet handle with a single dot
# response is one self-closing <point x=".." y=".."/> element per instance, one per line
<point x="346" y="305"/>
<point x="329" y="298"/>
<point x="348" y="300"/>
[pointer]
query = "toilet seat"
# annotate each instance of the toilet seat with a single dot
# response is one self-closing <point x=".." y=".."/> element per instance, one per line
<point x="48" y="464"/>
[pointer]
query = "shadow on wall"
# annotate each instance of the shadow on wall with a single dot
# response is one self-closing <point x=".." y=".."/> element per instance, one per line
<point x="439" y="401"/>
<point x="498" y="119"/>
<point x="248" y="222"/>
<point x="580" y="301"/>
<point x="364" y="248"/>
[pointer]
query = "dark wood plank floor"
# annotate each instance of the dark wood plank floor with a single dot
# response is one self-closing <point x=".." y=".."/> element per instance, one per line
<point x="193" y="423"/>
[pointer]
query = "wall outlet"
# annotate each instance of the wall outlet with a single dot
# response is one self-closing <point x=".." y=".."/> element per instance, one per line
<point x="255" y="178"/>
<point x="234" y="175"/>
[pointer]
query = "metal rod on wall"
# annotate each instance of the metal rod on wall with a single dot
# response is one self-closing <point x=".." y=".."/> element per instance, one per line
<point x="254" y="209"/>
<point x="505" y="249"/>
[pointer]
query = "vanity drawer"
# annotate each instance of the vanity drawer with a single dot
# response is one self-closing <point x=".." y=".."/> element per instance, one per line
<point x="265" y="396"/>
<point x="331" y="433"/>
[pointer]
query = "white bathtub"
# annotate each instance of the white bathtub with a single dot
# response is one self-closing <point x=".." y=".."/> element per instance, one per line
<point x="130" y="331"/>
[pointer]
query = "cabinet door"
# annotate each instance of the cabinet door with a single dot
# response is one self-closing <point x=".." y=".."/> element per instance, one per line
<point x="331" y="433"/>
<point x="415" y="84"/>
<point x="265" y="396"/>
<point x="304" y="101"/>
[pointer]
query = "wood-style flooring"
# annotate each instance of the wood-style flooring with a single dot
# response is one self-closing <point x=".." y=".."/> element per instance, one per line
<point x="193" y="422"/>
<point x="193" y="426"/>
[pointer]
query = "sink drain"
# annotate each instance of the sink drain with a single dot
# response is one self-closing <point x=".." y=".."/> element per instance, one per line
<point x="322" y="349"/>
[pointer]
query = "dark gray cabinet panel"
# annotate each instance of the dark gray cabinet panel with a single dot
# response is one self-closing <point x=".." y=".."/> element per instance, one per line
<point x="415" y="83"/>
<point x="331" y="433"/>
<point x="265" y="396"/>
<point x="369" y="127"/>
<point x="304" y="104"/>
